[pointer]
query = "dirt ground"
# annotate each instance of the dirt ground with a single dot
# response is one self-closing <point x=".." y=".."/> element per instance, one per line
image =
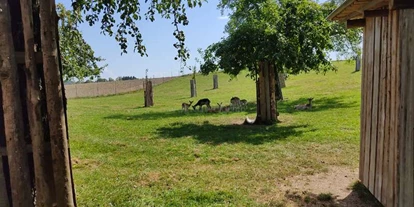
<point x="331" y="188"/>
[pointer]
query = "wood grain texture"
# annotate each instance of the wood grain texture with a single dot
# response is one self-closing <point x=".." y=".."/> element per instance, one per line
<point x="393" y="113"/>
<point x="374" y="108"/>
<point x="55" y="105"/>
<point x="13" y="114"/>
<point x="45" y="189"/>
<point x="370" y="29"/>
<point x="406" y="116"/>
<point x="362" y="111"/>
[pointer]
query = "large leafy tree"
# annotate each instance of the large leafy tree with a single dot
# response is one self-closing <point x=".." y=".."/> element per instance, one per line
<point x="105" y="13"/>
<point x="347" y="42"/>
<point x="289" y="36"/>
<point x="78" y="58"/>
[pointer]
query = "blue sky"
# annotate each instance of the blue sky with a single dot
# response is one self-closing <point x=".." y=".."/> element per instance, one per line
<point x="206" y="27"/>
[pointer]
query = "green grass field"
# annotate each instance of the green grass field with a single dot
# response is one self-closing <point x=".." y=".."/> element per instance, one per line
<point x="126" y="155"/>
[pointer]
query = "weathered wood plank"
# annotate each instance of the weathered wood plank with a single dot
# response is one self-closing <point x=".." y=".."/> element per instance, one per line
<point x="12" y="113"/>
<point x="387" y="137"/>
<point x="55" y="104"/>
<point x="381" y="108"/>
<point x="374" y="117"/>
<point x="406" y="116"/>
<point x="42" y="161"/>
<point x="370" y="29"/>
<point x="363" y="110"/>
<point x="393" y="113"/>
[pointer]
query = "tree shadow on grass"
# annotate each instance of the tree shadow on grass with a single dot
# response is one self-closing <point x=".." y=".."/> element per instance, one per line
<point x="251" y="108"/>
<point x="318" y="104"/>
<point x="207" y="133"/>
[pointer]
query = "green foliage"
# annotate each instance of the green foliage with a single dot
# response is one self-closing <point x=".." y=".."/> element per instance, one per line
<point x="325" y="196"/>
<point x="130" y="12"/>
<point x="78" y="58"/>
<point x="292" y="34"/>
<point x="347" y="42"/>
<point x="127" y="155"/>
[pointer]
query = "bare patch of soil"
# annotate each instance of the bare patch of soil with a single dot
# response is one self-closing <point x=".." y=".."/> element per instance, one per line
<point x="331" y="188"/>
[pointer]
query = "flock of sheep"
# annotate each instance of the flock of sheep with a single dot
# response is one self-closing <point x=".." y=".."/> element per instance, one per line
<point x="235" y="104"/>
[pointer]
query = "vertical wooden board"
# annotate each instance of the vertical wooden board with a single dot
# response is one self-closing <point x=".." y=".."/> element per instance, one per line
<point x="374" y="117"/>
<point x="369" y="68"/>
<point x="393" y="135"/>
<point x="406" y="116"/>
<point x="362" y="112"/>
<point x="385" y="189"/>
<point x="381" y="111"/>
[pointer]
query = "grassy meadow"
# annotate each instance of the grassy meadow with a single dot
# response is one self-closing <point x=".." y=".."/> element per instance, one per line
<point x="126" y="155"/>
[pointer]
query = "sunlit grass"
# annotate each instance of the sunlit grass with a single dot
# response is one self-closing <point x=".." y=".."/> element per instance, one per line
<point x="127" y="155"/>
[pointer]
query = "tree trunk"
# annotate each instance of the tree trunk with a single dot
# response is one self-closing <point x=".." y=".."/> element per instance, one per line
<point x="55" y="106"/>
<point x="12" y="112"/>
<point x="265" y="94"/>
<point x="45" y="189"/>
<point x="148" y="94"/>
<point x="215" y="81"/>
<point x="193" y="88"/>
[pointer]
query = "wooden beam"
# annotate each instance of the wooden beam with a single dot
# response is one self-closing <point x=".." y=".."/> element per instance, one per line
<point x="401" y="4"/>
<point x="375" y="4"/>
<point x="355" y="23"/>
<point x="376" y="13"/>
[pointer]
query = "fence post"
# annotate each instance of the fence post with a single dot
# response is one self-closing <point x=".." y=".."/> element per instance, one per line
<point x="76" y="90"/>
<point x="97" y="89"/>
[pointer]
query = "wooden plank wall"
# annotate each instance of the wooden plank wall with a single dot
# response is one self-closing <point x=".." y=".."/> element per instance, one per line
<point x="379" y="110"/>
<point x="405" y="58"/>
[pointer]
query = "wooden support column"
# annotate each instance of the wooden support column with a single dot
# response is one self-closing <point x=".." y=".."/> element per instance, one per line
<point x="13" y="117"/>
<point x="55" y="105"/>
<point x="45" y="189"/>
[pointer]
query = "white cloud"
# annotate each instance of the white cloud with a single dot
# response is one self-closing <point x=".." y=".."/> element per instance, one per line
<point x="223" y="17"/>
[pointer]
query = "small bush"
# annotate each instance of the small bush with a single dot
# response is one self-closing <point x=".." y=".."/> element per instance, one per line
<point x="325" y="197"/>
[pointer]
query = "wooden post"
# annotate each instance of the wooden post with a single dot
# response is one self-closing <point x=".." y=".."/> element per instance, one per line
<point x="193" y="88"/>
<point x="148" y="95"/>
<point x="55" y="107"/>
<point x="12" y="110"/>
<point x="357" y="63"/>
<point x="215" y="81"/>
<point x="45" y="190"/>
